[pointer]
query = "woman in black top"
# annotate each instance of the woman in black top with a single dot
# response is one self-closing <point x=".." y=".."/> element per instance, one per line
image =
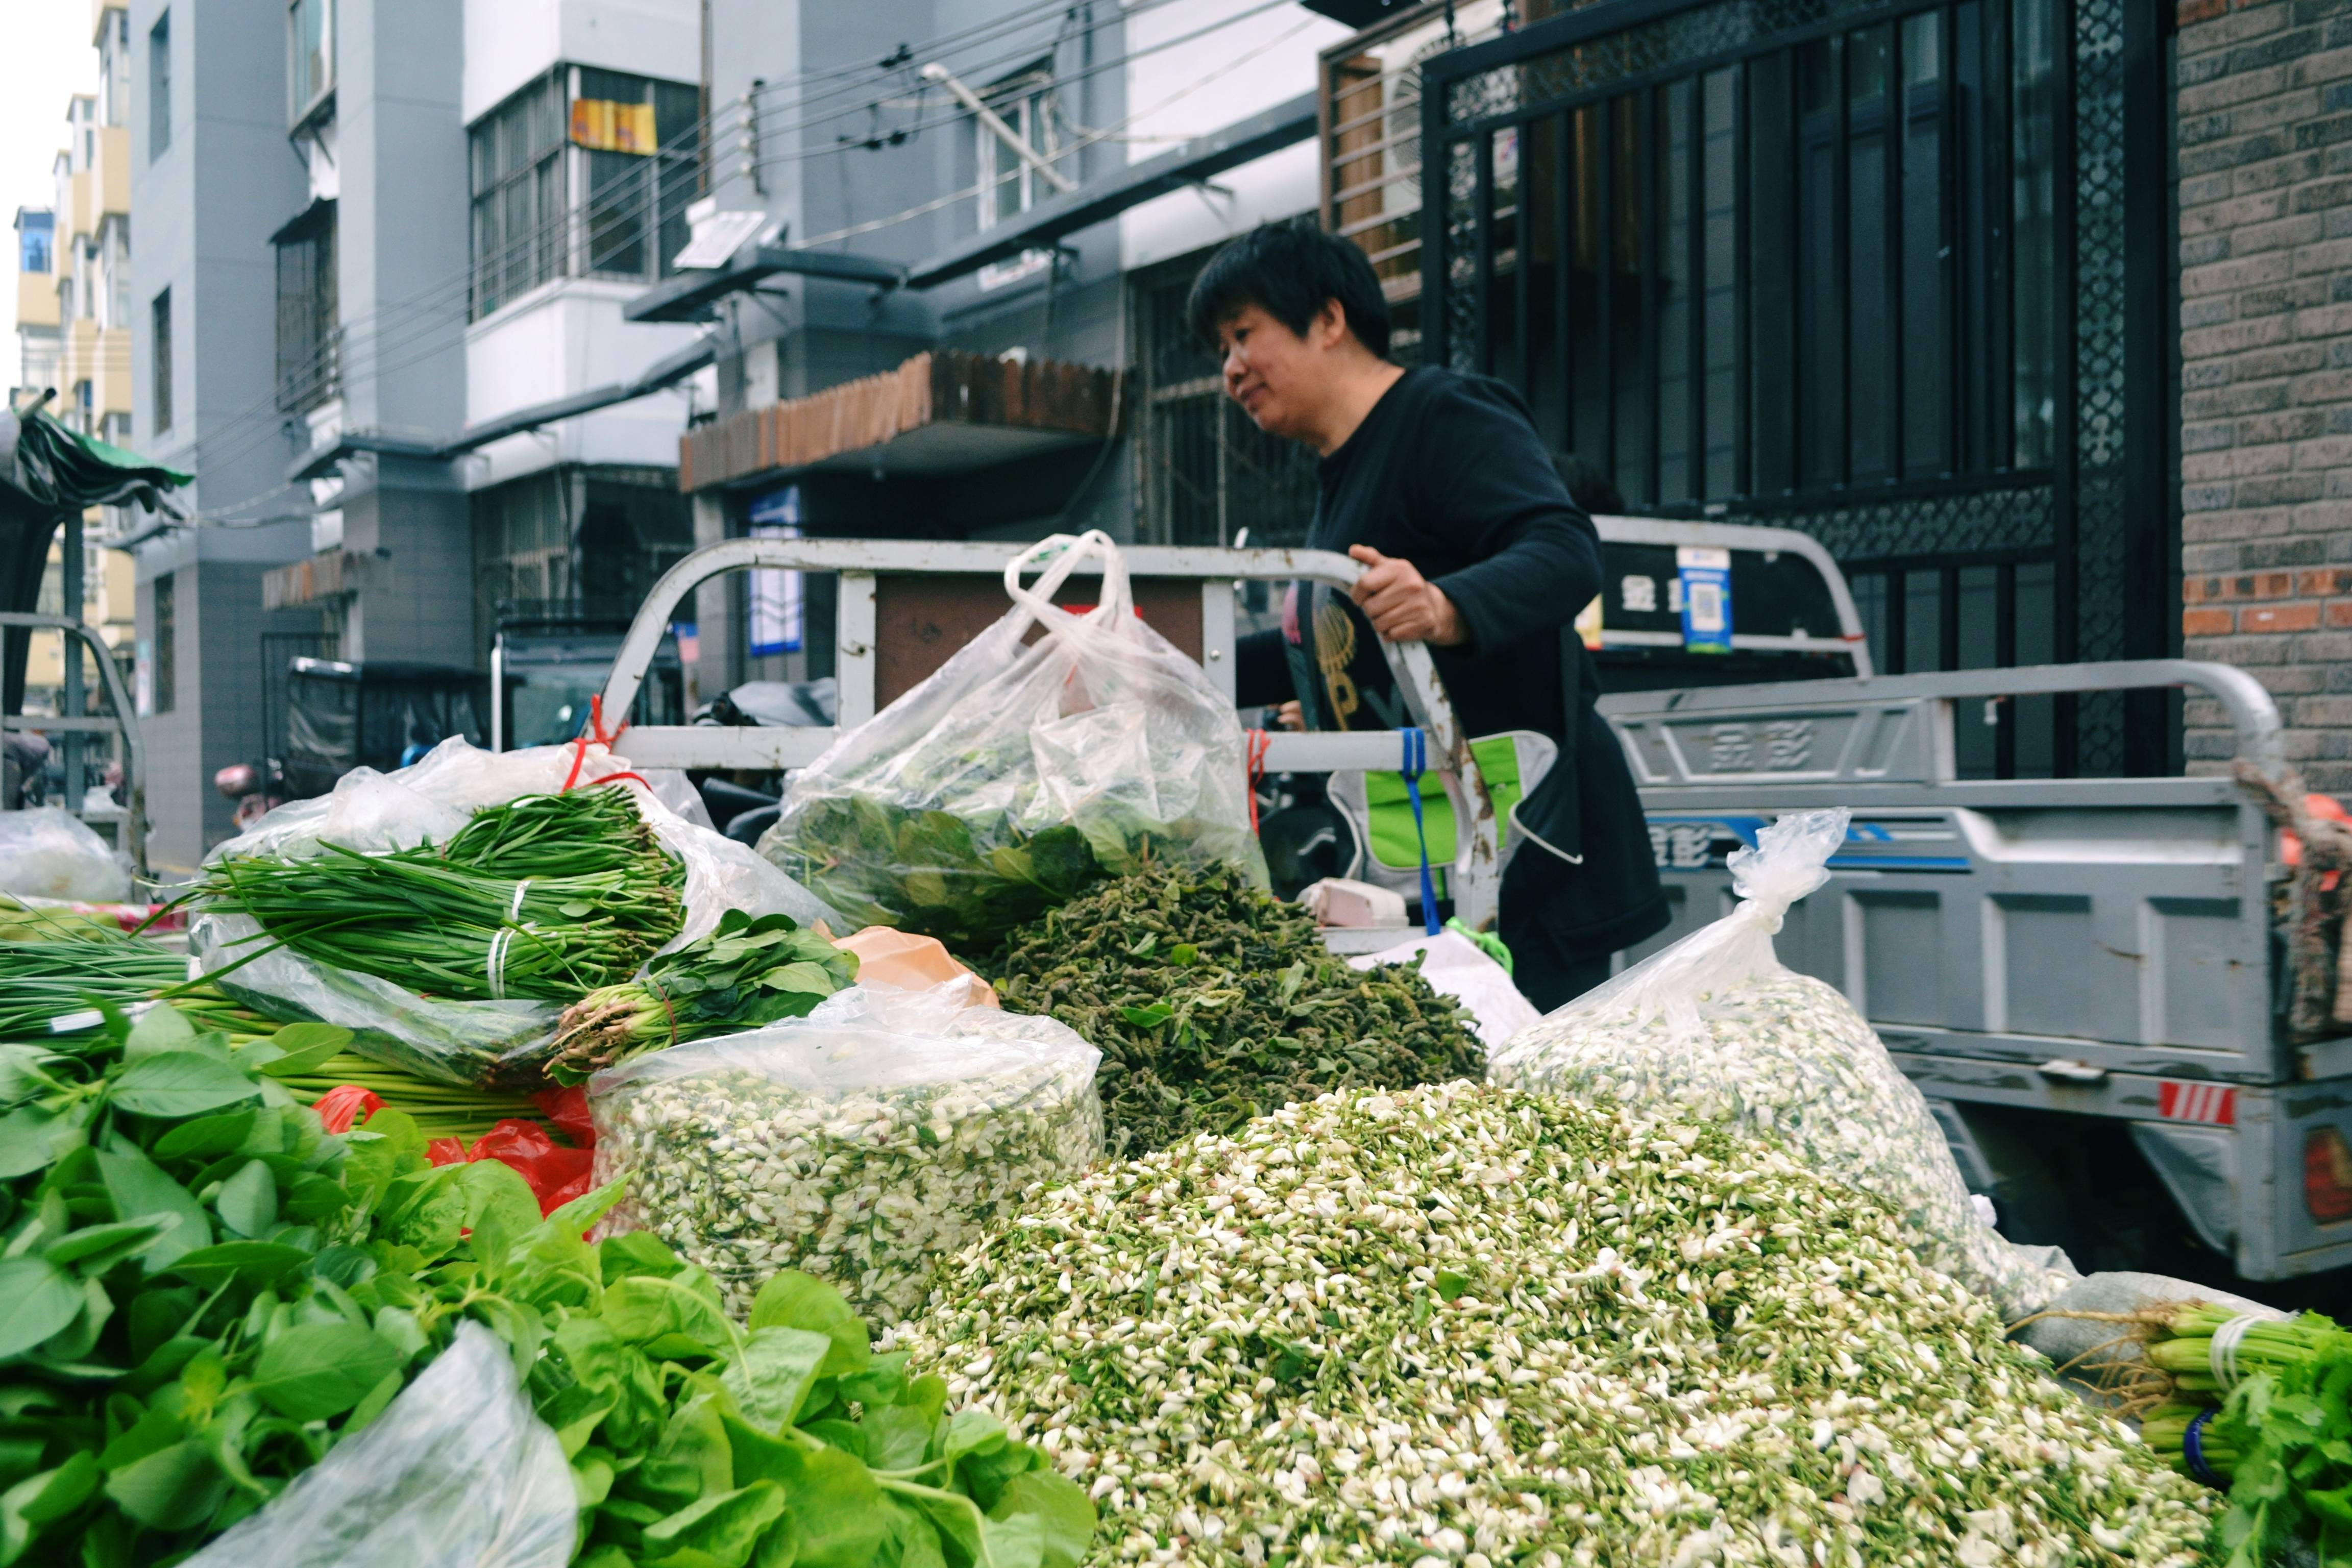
<point x="1437" y="482"/>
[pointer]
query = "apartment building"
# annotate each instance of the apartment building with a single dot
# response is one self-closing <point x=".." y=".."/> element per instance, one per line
<point x="352" y="315"/>
<point x="1025" y="195"/>
<point x="36" y="300"/>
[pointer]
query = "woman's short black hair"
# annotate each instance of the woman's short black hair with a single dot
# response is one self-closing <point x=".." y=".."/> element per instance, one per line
<point x="1288" y="270"/>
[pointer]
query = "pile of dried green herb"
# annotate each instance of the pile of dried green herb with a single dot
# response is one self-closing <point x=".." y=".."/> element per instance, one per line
<point x="1212" y="1003"/>
<point x="1459" y="1327"/>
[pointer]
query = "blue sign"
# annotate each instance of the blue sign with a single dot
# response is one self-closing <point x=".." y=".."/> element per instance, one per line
<point x="778" y="607"/>
<point x="1706" y="578"/>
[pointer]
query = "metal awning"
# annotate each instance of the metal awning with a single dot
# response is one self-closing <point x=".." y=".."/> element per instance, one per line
<point x="941" y="412"/>
<point x="661" y="375"/>
<point x="690" y="297"/>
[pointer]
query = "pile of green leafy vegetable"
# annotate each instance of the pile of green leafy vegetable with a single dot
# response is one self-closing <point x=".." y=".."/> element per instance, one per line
<point x="933" y="872"/>
<point x="746" y="973"/>
<point x="202" y="1292"/>
<point x="1213" y="1001"/>
<point x="2278" y="1439"/>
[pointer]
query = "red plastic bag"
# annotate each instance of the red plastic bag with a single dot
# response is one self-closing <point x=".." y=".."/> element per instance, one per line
<point x="567" y="1109"/>
<point x="346" y="1103"/>
<point x="556" y="1174"/>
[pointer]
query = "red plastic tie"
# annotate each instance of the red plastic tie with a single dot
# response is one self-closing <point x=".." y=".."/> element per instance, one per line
<point x="1258" y="744"/>
<point x="594" y="735"/>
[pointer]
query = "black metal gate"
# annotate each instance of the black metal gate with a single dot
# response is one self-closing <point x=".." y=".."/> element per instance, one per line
<point x="1898" y="275"/>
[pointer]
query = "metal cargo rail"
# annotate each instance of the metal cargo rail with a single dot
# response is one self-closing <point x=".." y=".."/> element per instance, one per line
<point x="2086" y="947"/>
<point x="906" y="586"/>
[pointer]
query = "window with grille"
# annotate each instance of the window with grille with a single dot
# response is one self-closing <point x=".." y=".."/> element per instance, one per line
<point x="1206" y="474"/>
<point x="559" y="193"/>
<point x="1821" y="267"/>
<point x="165" y="690"/>
<point x="310" y="333"/>
<point x="1847" y="265"/>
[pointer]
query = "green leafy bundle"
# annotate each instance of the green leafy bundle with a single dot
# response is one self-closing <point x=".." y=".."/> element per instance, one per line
<point x="44" y="981"/>
<point x="934" y="873"/>
<point x="696" y="1444"/>
<point x="543" y="896"/>
<point x="2280" y="1439"/>
<point x="181" y="1330"/>
<point x="439" y="1109"/>
<point x="747" y="973"/>
<point x="202" y="1293"/>
<point x="1212" y="1003"/>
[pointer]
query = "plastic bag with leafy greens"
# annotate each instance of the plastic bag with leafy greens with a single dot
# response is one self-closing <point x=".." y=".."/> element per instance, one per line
<point x="860" y="1145"/>
<point x="457" y="1473"/>
<point x="1018" y="772"/>
<point x="469" y="1041"/>
<point x="1716" y="1028"/>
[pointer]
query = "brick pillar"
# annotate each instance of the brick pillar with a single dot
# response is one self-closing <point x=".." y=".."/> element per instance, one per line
<point x="2265" y="150"/>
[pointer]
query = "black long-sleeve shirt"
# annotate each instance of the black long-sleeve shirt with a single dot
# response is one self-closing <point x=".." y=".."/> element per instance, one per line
<point x="1447" y="472"/>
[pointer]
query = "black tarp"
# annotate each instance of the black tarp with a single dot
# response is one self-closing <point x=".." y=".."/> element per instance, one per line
<point x="343" y="716"/>
<point x="47" y="473"/>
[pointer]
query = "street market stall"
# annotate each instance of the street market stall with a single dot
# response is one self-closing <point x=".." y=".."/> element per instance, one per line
<point x="524" y="1174"/>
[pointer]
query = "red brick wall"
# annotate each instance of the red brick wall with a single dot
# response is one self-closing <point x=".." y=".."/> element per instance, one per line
<point x="2265" y="149"/>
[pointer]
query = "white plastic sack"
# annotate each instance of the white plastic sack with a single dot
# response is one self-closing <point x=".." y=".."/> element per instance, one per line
<point x="994" y="789"/>
<point x="431" y="800"/>
<point x="1457" y="967"/>
<point x="1715" y="1027"/>
<point x="860" y="1144"/>
<point x="48" y="853"/>
<point x="458" y="1472"/>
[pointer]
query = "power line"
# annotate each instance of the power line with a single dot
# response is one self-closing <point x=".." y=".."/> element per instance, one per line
<point x="641" y="225"/>
<point x="257" y="422"/>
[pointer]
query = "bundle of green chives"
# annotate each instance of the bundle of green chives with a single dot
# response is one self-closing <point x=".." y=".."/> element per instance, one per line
<point x="41" y="982"/>
<point x="440" y="1109"/>
<point x="44" y="983"/>
<point x="545" y="898"/>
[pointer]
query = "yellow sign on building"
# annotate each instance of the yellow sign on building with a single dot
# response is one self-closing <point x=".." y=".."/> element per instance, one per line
<point x="607" y="127"/>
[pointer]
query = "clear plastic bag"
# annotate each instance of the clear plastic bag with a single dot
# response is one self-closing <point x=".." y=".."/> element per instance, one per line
<point x="1715" y="1027"/>
<point x="1010" y="777"/>
<point x="47" y="852"/>
<point x="860" y="1144"/>
<point x="457" y="1041"/>
<point x="1457" y="967"/>
<point x="458" y="1472"/>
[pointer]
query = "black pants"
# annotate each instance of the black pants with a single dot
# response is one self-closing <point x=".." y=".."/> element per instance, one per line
<point x="1561" y="943"/>
<point x="1547" y="974"/>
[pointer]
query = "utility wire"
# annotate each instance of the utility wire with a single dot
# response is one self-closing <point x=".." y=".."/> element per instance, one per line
<point x="422" y="307"/>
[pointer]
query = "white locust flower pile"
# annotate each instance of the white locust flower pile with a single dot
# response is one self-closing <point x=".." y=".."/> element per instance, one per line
<point x="1786" y="1055"/>
<point x="1464" y="1325"/>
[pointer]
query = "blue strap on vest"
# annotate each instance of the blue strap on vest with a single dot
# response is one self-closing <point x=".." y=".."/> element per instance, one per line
<point x="1416" y="755"/>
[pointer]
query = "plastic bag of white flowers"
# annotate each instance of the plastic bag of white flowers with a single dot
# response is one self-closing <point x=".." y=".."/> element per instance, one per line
<point x="1715" y="1027"/>
<point x="861" y="1144"/>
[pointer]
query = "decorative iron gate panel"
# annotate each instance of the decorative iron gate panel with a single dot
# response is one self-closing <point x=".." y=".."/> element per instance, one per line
<point x="1896" y="274"/>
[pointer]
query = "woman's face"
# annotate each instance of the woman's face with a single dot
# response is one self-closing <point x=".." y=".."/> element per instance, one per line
<point x="1274" y="373"/>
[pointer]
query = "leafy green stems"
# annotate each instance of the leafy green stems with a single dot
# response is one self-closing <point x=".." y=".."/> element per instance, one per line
<point x="1212" y="1003"/>
<point x="748" y="972"/>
